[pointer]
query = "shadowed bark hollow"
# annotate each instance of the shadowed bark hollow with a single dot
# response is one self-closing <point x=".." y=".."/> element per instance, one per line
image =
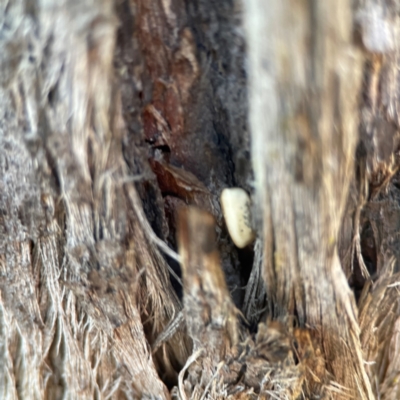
<point x="121" y="122"/>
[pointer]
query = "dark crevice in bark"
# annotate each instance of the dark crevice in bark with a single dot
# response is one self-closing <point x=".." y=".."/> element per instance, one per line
<point x="214" y="143"/>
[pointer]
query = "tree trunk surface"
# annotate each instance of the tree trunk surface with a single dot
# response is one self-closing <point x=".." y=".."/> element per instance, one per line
<point x="121" y="122"/>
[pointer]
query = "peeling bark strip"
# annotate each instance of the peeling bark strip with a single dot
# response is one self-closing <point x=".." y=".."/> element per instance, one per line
<point x="304" y="82"/>
<point x="206" y="297"/>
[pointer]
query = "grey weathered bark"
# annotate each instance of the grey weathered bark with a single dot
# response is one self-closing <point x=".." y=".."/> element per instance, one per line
<point x="305" y="82"/>
<point x="117" y="117"/>
<point x="306" y="114"/>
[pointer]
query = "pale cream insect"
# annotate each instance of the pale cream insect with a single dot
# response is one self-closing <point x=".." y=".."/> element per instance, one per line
<point x="235" y="204"/>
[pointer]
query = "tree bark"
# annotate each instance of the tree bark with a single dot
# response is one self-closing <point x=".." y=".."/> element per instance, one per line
<point x="303" y="107"/>
<point x="120" y="124"/>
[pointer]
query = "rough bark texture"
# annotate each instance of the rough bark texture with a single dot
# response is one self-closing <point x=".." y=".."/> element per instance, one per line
<point x="120" y="124"/>
<point x="303" y="107"/>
